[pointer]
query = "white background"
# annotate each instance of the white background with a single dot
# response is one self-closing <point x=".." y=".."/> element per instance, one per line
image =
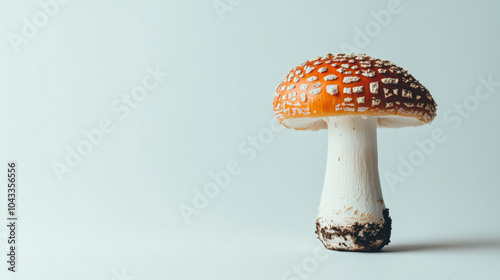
<point x="117" y="215"/>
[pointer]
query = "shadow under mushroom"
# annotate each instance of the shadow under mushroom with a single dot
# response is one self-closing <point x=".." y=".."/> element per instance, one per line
<point x="450" y="245"/>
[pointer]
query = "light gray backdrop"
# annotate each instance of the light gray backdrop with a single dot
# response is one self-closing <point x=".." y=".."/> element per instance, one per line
<point x="123" y="116"/>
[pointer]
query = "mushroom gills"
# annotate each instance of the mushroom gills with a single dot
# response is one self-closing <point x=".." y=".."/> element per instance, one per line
<point x="320" y="123"/>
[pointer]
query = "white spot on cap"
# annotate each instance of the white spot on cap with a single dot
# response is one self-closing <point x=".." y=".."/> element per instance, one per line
<point x="308" y="69"/>
<point x="361" y="99"/>
<point x="332" y="89"/>
<point x="420" y="105"/>
<point x="318" y="84"/>
<point x="382" y="71"/>
<point x="283" y="88"/>
<point x="322" y="69"/>
<point x="304" y="86"/>
<point x="317" y="63"/>
<point x="390" y="81"/>
<point x="312" y="79"/>
<point x="418" y="97"/>
<point x="315" y="91"/>
<point x="303" y="96"/>
<point x="295" y="79"/>
<point x="290" y="87"/>
<point x="355" y="67"/>
<point x="350" y="79"/>
<point x="428" y="95"/>
<point x="347" y="99"/>
<point x="345" y="65"/>
<point x="409" y="104"/>
<point x="362" y="109"/>
<point x="347" y="90"/>
<point x="375" y="102"/>
<point x="341" y="70"/>
<point x="368" y="73"/>
<point x="374" y="87"/>
<point x="358" y="89"/>
<point x="395" y="91"/>
<point x="406" y="93"/>
<point x="406" y="81"/>
<point x="387" y="94"/>
<point x="298" y="72"/>
<point x="335" y="65"/>
<point x="330" y="77"/>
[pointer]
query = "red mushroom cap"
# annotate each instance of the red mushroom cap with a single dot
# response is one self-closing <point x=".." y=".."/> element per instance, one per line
<point x="339" y="85"/>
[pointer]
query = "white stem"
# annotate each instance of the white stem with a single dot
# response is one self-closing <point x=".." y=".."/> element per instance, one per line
<point x="351" y="193"/>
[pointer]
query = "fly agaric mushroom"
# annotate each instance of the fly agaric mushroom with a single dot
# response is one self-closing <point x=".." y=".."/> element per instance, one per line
<point x="351" y="95"/>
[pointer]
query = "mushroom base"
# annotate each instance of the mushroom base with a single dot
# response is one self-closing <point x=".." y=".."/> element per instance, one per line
<point x="364" y="237"/>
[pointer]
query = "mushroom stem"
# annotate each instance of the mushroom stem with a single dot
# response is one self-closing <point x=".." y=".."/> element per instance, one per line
<point x="352" y="213"/>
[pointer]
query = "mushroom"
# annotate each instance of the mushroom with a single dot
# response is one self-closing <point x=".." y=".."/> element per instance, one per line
<point x="351" y="95"/>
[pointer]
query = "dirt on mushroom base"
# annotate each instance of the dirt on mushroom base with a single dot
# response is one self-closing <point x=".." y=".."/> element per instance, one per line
<point x="366" y="237"/>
